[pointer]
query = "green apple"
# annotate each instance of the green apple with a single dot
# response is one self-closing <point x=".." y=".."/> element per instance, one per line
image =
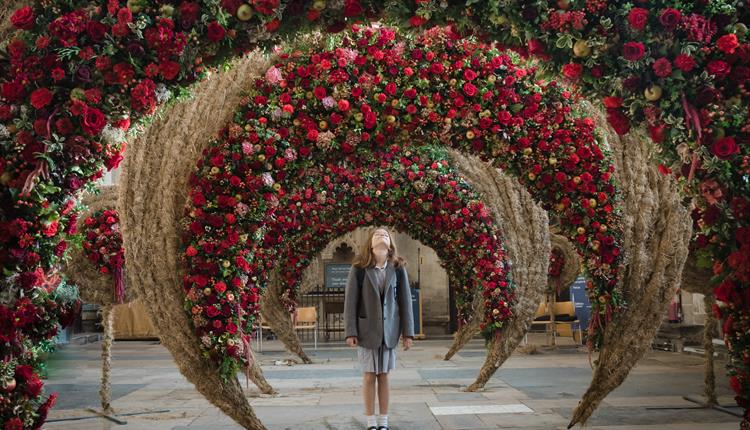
<point x="245" y="12"/>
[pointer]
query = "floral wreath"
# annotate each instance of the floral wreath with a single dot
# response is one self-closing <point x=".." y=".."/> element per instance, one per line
<point x="103" y="247"/>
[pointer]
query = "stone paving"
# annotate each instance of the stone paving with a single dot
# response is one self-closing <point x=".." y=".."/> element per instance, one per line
<point x="536" y="391"/>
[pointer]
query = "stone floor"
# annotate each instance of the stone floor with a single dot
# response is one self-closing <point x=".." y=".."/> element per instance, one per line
<point x="531" y="391"/>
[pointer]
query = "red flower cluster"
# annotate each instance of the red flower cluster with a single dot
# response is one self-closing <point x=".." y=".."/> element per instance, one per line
<point x="103" y="246"/>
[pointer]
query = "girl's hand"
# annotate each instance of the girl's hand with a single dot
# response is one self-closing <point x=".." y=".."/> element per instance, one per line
<point x="351" y="341"/>
<point x="407" y="343"/>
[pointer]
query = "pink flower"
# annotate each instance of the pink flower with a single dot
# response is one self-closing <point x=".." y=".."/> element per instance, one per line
<point x="273" y="75"/>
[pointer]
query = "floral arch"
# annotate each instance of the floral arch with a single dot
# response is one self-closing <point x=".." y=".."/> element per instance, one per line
<point x="78" y="75"/>
<point x="337" y="119"/>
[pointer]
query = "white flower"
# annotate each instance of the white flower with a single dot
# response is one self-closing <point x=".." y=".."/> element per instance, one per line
<point x="162" y="93"/>
<point x="268" y="179"/>
<point x="3" y="131"/>
<point x="113" y="135"/>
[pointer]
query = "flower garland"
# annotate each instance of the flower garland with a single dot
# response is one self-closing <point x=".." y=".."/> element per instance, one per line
<point x="682" y="71"/>
<point x="377" y="91"/>
<point x="103" y="246"/>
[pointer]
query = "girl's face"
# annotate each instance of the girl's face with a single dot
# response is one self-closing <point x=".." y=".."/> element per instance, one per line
<point x="381" y="238"/>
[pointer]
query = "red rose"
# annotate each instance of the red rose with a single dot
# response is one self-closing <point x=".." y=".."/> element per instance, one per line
<point x="215" y="32"/>
<point x="13" y="91"/>
<point x="470" y="75"/>
<point x="469" y="89"/>
<point x="633" y="51"/>
<point x="343" y="105"/>
<point x="16" y="48"/>
<point x="718" y="68"/>
<point x="437" y="68"/>
<point x="638" y="18"/>
<point x="189" y="13"/>
<point x="273" y="25"/>
<point x="536" y="47"/>
<point x="169" y="69"/>
<point x="612" y="102"/>
<point x="417" y="21"/>
<point x="619" y="122"/>
<point x="742" y="235"/>
<point x="13" y="424"/>
<point x="724" y="148"/>
<point x="662" y="67"/>
<point x="684" y="62"/>
<point x="266" y="7"/>
<point x="352" y="8"/>
<point x="96" y="31"/>
<point x="727" y="43"/>
<point x="93" y="121"/>
<point x="572" y="71"/>
<point x="670" y="18"/>
<point x="312" y="134"/>
<point x="34" y="387"/>
<point x="23" y="18"/>
<point x="41" y="97"/>
<point x="24" y="372"/>
<point x="220" y="287"/>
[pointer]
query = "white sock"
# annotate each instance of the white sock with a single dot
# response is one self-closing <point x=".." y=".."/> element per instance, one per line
<point x="382" y="420"/>
<point x="371" y="422"/>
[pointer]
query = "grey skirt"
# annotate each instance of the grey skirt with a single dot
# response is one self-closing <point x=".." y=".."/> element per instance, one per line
<point x="381" y="360"/>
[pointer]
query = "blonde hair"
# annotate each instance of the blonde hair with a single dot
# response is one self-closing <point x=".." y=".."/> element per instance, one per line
<point x="365" y="258"/>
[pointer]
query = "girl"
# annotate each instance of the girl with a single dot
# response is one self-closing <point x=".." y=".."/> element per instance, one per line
<point x="377" y="310"/>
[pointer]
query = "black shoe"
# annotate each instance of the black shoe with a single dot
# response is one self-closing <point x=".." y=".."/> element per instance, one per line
<point x="372" y="428"/>
<point x="382" y="428"/>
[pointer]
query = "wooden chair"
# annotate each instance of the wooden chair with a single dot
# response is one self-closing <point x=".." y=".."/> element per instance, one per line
<point x="307" y="319"/>
<point x="262" y="324"/>
<point x="541" y="311"/>
<point x="565" y="315"/>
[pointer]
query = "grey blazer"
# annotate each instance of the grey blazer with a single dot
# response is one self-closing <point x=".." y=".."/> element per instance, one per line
<point x="373" y="321"/>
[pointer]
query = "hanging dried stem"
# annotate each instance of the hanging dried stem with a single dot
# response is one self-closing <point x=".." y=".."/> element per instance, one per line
<point x="656" y="233"/>
<point x="709" y="376"/>
<point x="526" y="238"/>
<point x="467" y="331"/>
<point x="94" y="286"/>
<point x="105" y="390"/>
<point x="572" y="267"/>
<point x="279" y="319"/>
<point x="154" y="193"/>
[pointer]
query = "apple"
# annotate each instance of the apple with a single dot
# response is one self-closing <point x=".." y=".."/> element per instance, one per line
<point x="581" y="49"/>
<point x="652" y="93"/>
<point x="245" y="12"/>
